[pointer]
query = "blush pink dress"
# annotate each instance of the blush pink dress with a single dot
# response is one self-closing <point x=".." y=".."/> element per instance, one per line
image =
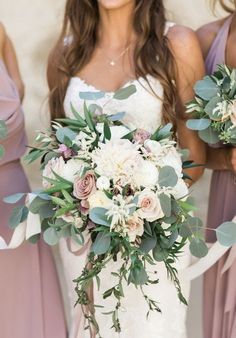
<point x="219" y="287"/>
<point x="30" y="299"/>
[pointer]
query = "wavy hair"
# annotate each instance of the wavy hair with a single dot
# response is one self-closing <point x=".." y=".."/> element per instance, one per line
<point x="229" y="6"/>
<point x="81" y="23"/>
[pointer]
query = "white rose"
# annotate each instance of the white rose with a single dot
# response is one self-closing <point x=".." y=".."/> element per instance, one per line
<point x="135" y="227"/>
<point x="180" y="190"/>
<point x="72" y="169"/>
<point x="154" y="147"/>
<point x="146" y="175"/>
<point x="103" y="183"/>
<point x="99" y="200"/>
<point x="150" y="206"/>
<point x="57" y="165"/>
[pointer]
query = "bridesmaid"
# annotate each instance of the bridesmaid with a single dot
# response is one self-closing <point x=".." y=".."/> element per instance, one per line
<point x="218" y="41"/>
<point x="30" y="301"/>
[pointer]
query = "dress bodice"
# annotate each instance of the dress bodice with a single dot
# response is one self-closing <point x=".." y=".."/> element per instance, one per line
<point x="11" y="112"/>
<point x="142" y="110"/>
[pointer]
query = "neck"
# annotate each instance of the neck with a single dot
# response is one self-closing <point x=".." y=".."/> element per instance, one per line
<point x="116" y="27"/>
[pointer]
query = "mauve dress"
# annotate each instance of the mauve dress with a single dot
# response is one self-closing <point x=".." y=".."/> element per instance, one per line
<point x="220" y="288"/>
<point x="30" y="299"/>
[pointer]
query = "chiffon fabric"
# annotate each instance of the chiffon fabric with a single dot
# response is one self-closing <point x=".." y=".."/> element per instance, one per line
<point x="219" y="305"/>
<point x="30" y="299"/>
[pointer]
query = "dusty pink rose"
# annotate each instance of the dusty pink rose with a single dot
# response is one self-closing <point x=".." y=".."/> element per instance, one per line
<point x="141" y="136"/>
<point x="135" y="227"/>
<point x="85" y="186"/>
<point x="84" y="207"/>
<point x="65" y="151"/>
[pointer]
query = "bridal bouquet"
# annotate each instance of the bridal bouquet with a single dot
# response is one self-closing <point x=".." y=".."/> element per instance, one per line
<point x="119" y="192"/>
<point x="214" y="107"/>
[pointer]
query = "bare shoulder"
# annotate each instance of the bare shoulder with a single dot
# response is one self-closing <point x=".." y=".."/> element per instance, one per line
<point x="179" y="35"/>
<point x="184" y="43"/>
<point x="207" y="34"/>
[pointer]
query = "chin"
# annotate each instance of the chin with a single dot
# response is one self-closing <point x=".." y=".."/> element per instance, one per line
<point x="114" y="4"/>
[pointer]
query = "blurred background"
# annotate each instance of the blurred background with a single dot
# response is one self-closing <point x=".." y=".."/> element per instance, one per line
<point x="33" y="26"/>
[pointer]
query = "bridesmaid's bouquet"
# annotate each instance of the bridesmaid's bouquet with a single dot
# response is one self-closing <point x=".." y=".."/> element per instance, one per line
<point x="115" y="192"/>
<point x="214" y="107"/>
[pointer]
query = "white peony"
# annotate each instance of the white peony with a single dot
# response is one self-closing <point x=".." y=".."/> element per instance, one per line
<point x="103" y="183"/>
<point x="117" y="132"/>
<point x="72" y="169"/>
<point x="116" y="159"/>
<point x="146" y="175"/>
<point x="180" y="190"/>
<point x="99" y="200"/>
<point x="149" y="206"/>
<point x="135" y="227"/>
<point x="154" y="147"/>
<point x="173" y="159"/>
<point x="55" y="164"/>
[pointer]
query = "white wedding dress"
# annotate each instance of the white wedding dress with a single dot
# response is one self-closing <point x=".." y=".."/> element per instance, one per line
<point x="143" y="110"/>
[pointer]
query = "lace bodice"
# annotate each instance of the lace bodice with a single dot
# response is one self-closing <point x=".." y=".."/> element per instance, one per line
<point x="143" y="109"/>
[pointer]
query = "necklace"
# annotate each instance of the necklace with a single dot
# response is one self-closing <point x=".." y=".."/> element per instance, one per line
<point x="113" y="62"/>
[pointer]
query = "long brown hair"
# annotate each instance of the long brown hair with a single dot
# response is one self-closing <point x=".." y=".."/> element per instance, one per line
<point x="229" y="6"/>
<point x="80" y="28"/>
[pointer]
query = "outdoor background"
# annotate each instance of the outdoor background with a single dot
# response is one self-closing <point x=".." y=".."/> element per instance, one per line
<point x="33" y="27"/>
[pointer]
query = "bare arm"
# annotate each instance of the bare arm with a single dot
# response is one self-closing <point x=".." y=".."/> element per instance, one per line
<point x="9" y="56"/>
<point x="190" y="68"/>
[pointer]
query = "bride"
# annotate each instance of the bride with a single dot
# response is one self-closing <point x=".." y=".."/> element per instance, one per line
<point x="106" y="45"/>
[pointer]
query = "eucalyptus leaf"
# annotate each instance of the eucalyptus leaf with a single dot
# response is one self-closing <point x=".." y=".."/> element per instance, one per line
<point x="167" y="177"/>
<point x="148" y="243"/>
<point x="116" y="117"/>
<point x="206" y="88"/>
<point x="98" y="216"/>
<point x="125" y="93"/>
<point x="209" y="136"/>
<point x="16" y="216"/>
<point x="13" y="198"/>
<point x="50" y="236"/>
<point x="160" y="254"/>
<point x="3" y="129"/>
<point x="162" y="133"/>
<point x="226" y="233"/>
<point x="211" y="105"/>
<point x="165" y="204"/>
<point x="2" y="151"/>
<point x="61" y="133"/>
<point x="198" y="124"/>
<point x="198" y="248"/>
<point x="138" y="275"/>
<point x="101" y="244"/>
<point x="91" y="96"/>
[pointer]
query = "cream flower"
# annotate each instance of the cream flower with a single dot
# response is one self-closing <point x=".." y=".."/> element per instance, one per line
<point x="146" y="175"/>
<point x="57" y="165"/>
<point x="135" y="227"/>
<point x="99" y="200"/>
<point x="173" y="159"/>
<point x="77" y="221"/>
<point x="150" y="207"/>
<point x="116" y="159"/>
<point x="154" y="147"/>
<point x="72" y="169"/>
<point x="181" y="190"/>
<point x="103" y="183"/>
